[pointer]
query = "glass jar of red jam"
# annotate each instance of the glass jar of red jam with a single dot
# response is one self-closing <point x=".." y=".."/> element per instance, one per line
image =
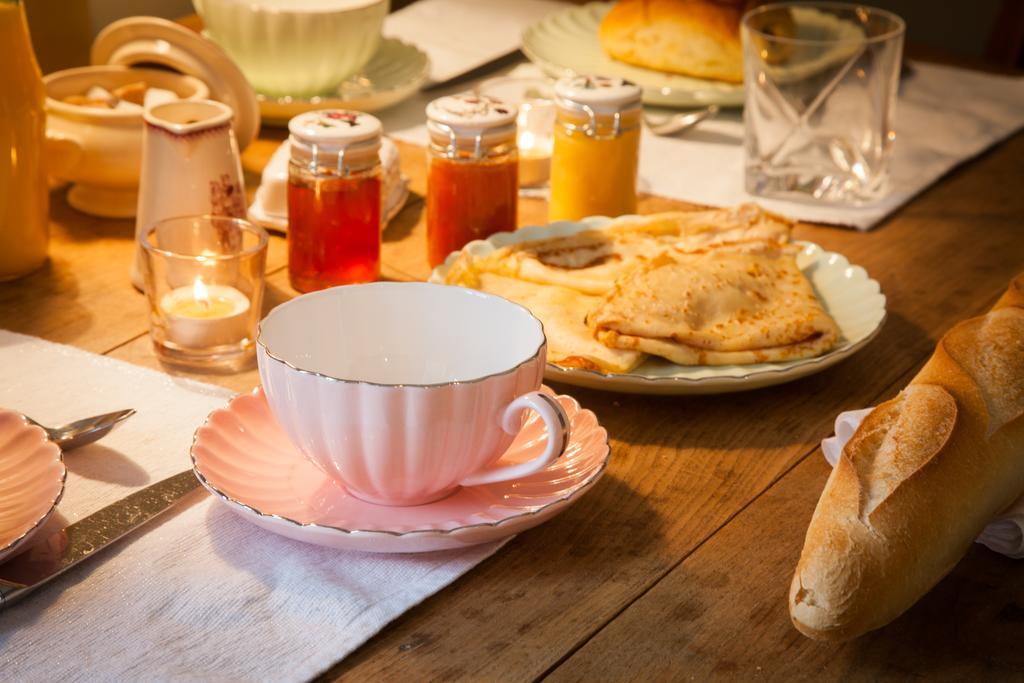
<point x="472" y="171"/>
<point x="334" y="199"/>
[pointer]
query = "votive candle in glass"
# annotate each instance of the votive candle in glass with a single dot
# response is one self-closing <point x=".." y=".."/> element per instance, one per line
<point x="204" y="284"/>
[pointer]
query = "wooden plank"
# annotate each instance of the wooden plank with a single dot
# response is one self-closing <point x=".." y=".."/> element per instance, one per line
<point x="682" y="467"/>
<point x="722" y="613"/>
<point x="83" y="295"/>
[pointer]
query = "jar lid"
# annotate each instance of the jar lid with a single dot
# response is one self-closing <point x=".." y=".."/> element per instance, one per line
<point x="602" y="94"/>
<point x="328" y="132"/>
<point x="472" y="115"/>
<point x="151" y="40"/>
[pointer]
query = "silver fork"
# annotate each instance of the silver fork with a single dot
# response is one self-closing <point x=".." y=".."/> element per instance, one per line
<point x="677" y="123"/>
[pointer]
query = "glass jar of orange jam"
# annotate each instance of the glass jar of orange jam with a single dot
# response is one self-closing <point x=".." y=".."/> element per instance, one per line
<point x="334" y="199"/>
<point x="472" y="172"/>
<point x="597" y="148"/>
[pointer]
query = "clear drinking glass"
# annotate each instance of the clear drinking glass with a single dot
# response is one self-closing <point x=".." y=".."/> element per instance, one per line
<point x="820" y="81"/>
<point x="204" y="282"/>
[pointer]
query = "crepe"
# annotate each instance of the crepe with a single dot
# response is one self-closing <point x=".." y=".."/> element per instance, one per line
<point x="592" y="261"/>
<point x="721" y="307"/>
<point x="563" y="312"/>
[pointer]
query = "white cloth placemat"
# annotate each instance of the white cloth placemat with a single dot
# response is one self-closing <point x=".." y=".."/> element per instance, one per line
<point x="1004" y="534"/>
<point x="202" y="594"/>
<point x="460" y="35"/>
<point x="944" y="117"/>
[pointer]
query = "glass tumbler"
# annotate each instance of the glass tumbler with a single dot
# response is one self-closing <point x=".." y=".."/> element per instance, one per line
<point x="204" y="284"/>
<point x="820" y="98"/>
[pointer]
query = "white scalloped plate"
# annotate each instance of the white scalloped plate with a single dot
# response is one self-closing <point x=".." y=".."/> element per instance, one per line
<point x="243" y="457"/>
<point x="32" y="475"/>
<point x="850" y="296"/>
<point x="565" y="42"/>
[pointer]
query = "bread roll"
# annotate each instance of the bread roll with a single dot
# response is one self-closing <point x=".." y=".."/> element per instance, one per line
<point x="693" y="37"/>
<point x="1014" y="295"/>
<point x="919" y="480"/>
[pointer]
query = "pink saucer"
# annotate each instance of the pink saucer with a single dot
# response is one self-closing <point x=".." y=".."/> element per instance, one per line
<point x="244" y="458"/>
<point x="32" y="475"/>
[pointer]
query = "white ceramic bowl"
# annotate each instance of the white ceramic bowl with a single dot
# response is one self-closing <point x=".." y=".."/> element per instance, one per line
<point x="100" y="150"/>
<point x="296" y="48"/>
<point x="401" y="392"/>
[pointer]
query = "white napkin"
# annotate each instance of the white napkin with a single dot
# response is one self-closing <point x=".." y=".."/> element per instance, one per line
<point x="202" y="594"/>
<point x="944" y="117"/>
<point x="460" y="35"/>
<point x="1004" y="534"/>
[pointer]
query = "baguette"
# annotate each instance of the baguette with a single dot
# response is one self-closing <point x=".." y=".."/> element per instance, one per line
<point x="918" y="481"/>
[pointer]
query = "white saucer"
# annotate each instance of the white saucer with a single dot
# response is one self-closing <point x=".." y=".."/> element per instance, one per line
<point x="395" y="72"/>
<point x="243" y="457"/>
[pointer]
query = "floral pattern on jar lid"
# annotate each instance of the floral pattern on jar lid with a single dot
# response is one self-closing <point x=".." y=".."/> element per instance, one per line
<point x="472" y="114"/>
<point x="328" y="132"/>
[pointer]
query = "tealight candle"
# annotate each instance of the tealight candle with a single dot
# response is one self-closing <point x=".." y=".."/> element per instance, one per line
<point x="204" y="282"/>
<point x="201" y="315"/>
<point x="534" y="140"/>
<point x="534" y="159"/>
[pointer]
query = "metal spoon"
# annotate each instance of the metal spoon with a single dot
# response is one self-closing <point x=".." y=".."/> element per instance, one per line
<point x="680" y="122"/>
<point x="81" y="432"/>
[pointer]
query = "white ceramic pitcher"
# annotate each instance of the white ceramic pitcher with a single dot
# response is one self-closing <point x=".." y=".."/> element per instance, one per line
<point x="190" y="166"/>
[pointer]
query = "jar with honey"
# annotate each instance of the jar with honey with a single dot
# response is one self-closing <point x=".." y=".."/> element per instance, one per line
<point x="596" y="150"/>
<point x="472" y="171"/>
<point x="334" y="199"/>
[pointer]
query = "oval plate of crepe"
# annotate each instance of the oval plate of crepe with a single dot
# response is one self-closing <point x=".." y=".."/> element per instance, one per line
<point x="853" y="300"/>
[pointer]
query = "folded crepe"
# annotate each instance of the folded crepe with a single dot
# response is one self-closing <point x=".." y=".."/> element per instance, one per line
<point x="563" y="312"/>
<point x="592" y="261"/>
<point x="721" y="307"/>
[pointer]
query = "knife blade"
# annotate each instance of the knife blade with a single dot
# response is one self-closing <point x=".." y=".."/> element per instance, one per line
<point x="56" y="552"/>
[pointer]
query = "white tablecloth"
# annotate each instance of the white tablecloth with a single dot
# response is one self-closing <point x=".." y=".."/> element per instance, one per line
<point x="202" y="594"/>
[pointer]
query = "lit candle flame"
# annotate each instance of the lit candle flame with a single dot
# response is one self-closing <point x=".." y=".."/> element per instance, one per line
<point x="526" y="140"/>
<point x="200" y="293"/>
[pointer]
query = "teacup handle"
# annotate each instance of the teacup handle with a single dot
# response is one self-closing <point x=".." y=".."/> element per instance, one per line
<point x="558" y="436"/>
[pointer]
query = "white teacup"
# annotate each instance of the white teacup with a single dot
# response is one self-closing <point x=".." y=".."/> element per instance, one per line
<point x="402" y="392"/>
<point x="297" y="48"/>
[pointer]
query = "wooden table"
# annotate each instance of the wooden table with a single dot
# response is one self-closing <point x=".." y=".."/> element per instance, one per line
<point x="677" y="564"/>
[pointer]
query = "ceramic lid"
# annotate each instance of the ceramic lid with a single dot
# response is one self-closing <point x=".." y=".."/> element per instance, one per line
<point x="603" y="94"/>
<point x="151" y="40"/>
<point x="329" y="131"/>
<point x="471" y="114"/>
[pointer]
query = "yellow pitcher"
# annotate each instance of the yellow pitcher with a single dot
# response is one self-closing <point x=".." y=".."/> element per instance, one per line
<point x="24" y="195"/>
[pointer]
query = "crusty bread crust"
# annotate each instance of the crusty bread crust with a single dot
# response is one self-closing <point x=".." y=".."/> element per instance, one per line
<point x="693" y="37"/>
<point x="919" y="480"/>
<point x="1014" y="295"/>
